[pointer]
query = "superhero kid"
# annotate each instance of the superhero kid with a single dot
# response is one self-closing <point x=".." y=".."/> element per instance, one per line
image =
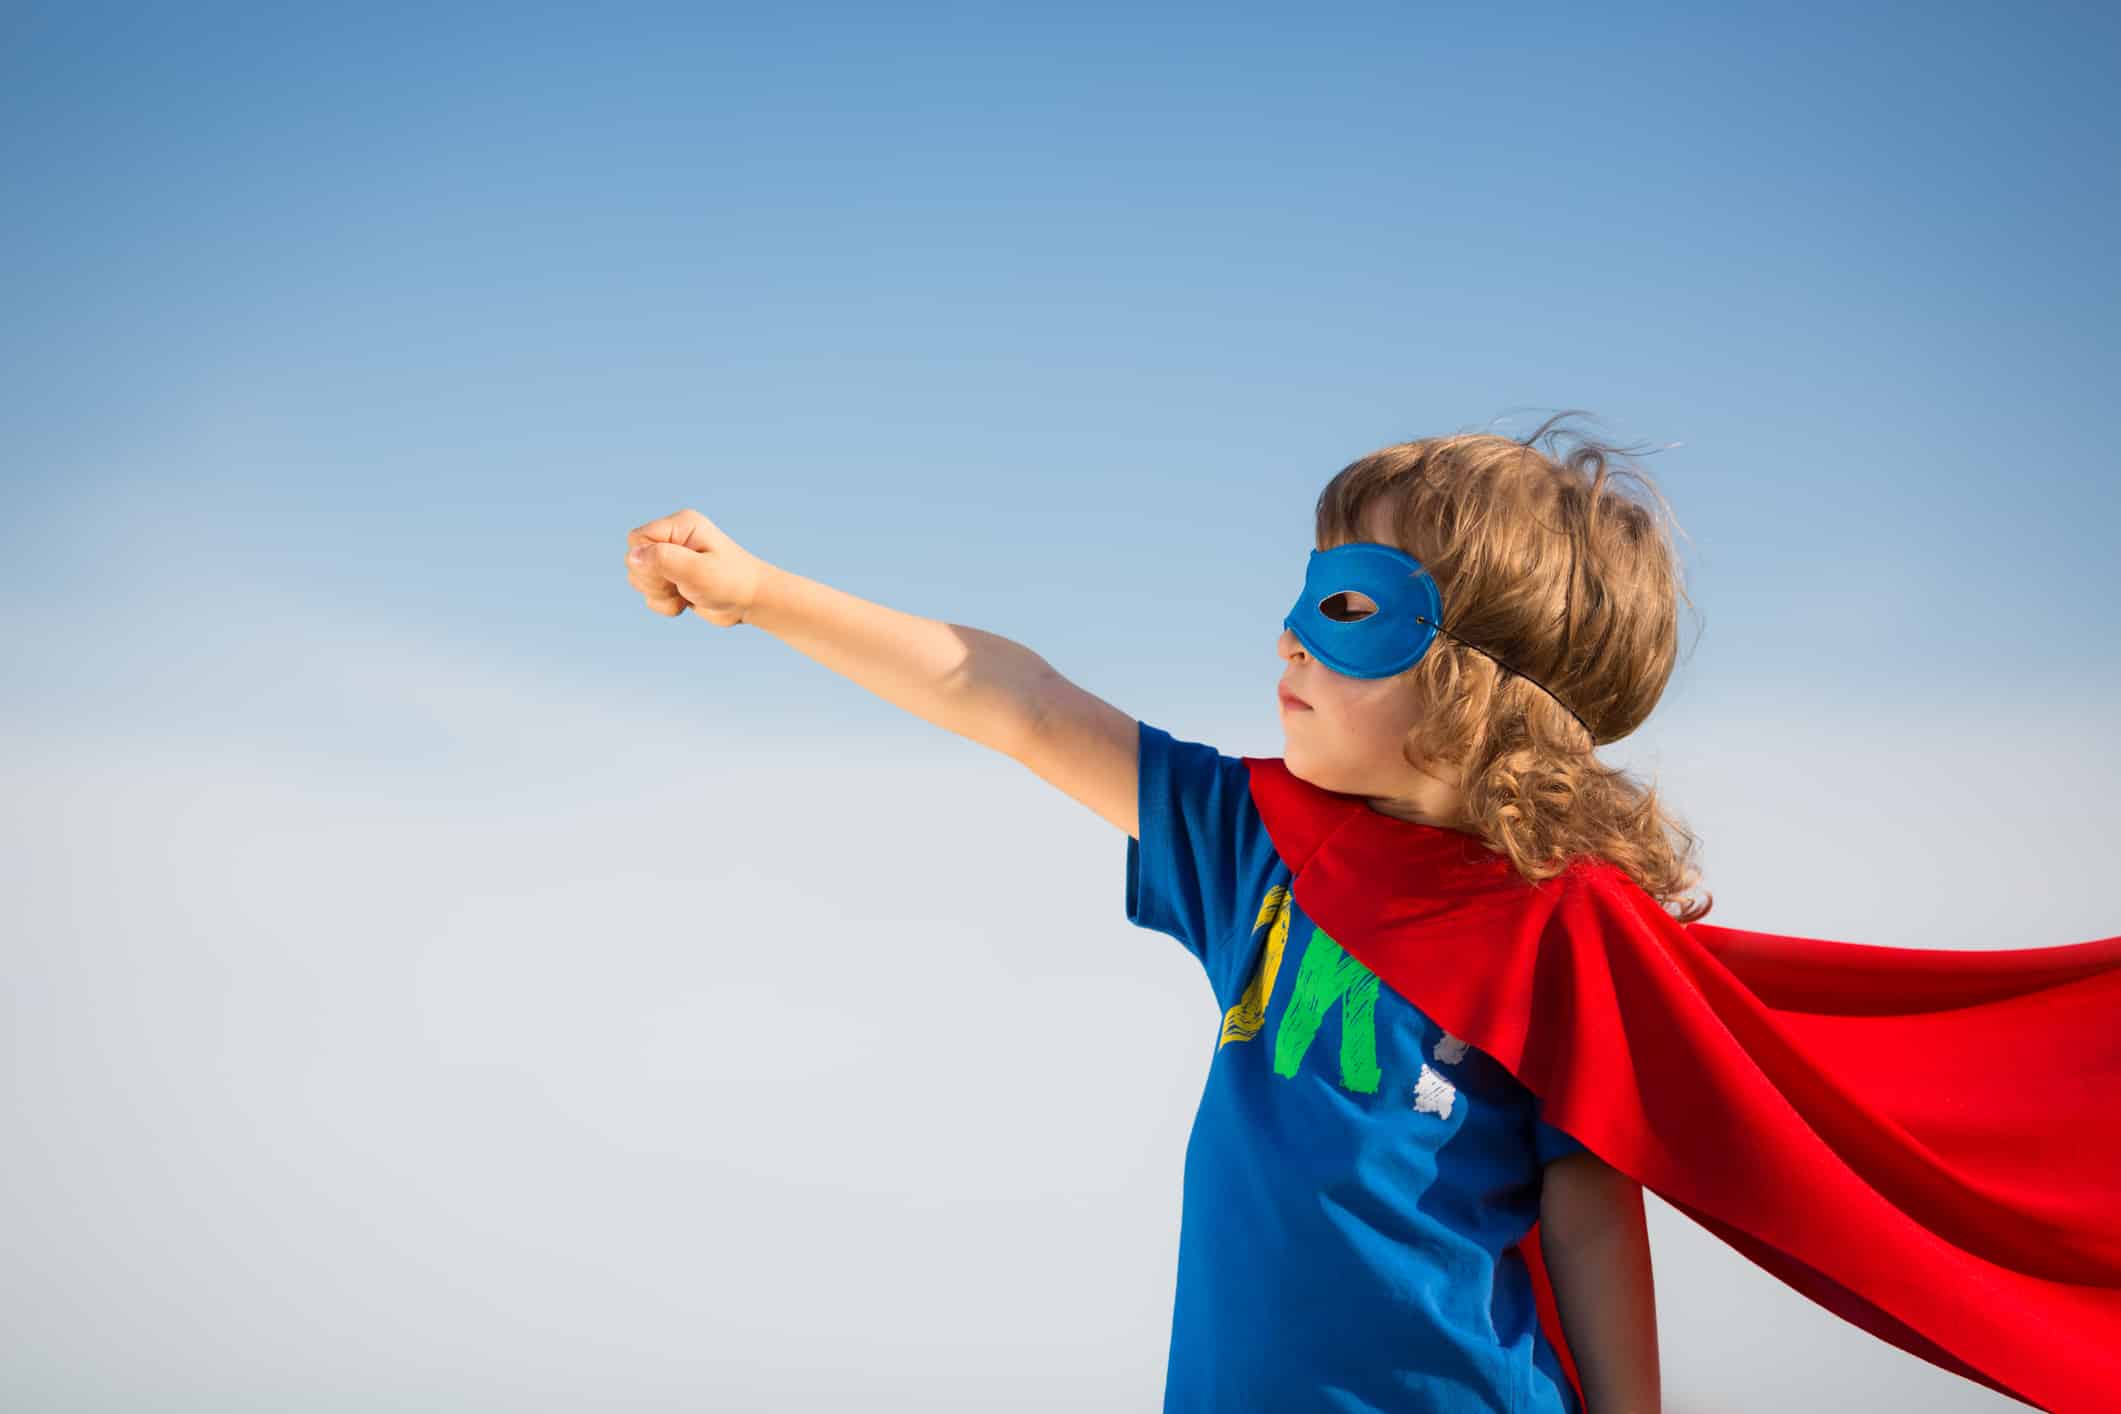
<point x="1467" y="1007"/>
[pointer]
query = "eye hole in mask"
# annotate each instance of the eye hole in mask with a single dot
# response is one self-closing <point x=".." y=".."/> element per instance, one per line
<point x="1348" y="606"/>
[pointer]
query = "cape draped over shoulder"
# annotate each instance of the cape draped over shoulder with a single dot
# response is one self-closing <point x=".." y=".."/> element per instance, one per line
<point x="1927" y="1143"/>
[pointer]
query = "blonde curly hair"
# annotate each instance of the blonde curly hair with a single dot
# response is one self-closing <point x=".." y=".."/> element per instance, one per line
<point x="1544" y="563"/>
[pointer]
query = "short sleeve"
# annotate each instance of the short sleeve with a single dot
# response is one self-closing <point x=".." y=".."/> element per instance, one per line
<point x="1551" y="1143"/>
<point x="1203" y="847"/>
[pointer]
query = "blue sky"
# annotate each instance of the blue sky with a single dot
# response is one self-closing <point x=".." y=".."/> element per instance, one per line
<point x="344" y="345"/>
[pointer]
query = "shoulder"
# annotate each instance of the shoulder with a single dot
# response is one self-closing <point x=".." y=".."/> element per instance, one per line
<point x="1592" y="876"/>
<point x="1593" y="888"/>
<point x="1595" y="903"/>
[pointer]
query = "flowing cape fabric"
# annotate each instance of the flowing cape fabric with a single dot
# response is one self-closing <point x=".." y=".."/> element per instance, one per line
<point x="1927" y="1143"/>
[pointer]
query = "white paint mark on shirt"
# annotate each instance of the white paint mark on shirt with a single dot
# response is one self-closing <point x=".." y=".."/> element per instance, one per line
<point x="1434" y="1094"/>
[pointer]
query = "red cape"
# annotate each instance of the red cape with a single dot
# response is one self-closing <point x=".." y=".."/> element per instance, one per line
<point x="1926" y="1143"/>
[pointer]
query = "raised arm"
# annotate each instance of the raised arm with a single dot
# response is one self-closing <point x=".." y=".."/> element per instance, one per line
<point x="1088" y="748"/>
<point x="979" y="685"/>
<point x="984" y="687"/>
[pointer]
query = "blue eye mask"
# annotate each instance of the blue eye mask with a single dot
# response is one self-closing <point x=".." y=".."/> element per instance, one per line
<point x="1392" y="638"/>
<point x="1376" y="645"/>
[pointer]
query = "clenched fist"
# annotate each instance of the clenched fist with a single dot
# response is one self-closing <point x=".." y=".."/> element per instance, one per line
<point x="686" y="559"/>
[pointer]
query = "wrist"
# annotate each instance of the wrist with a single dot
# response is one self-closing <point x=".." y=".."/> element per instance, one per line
<point x="767" y="589"/>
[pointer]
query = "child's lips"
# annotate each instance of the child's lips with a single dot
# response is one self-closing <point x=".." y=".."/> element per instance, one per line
<point x="1291" y="702"/>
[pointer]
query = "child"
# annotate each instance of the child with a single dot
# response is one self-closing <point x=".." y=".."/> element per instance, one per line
<point x="1460" y="1028"/>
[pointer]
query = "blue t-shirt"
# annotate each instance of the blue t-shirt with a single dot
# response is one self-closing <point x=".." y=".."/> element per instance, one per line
<point x="1357" y="1178"/>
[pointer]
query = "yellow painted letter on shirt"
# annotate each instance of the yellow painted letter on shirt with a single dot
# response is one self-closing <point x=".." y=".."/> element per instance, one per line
<point x="1242" y="1022"/>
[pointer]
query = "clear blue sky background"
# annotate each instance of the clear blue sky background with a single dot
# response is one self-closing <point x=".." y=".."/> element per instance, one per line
<point x="342" y="346"/>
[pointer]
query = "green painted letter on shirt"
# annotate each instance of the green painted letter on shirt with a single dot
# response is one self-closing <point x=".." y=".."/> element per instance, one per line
<point x="1327" y="975"/>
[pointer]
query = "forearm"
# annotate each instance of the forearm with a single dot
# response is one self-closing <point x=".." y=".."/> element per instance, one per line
<point x="1596" y="1247"/>
<point x="977" y="684"/>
